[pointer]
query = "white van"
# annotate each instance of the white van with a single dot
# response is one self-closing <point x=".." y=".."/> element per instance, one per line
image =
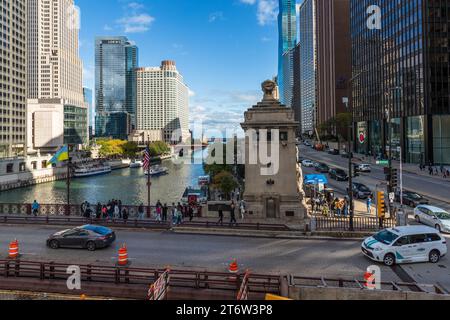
<point x="405" y="245"/>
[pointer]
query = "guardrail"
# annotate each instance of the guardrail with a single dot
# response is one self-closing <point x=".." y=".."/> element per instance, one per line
<point x="127" y="276"/>
<point x="343" y="224"/>
<point x="76" y="221"/>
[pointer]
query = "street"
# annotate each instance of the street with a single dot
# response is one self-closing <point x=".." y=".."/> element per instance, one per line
<point x="328" y="258"/>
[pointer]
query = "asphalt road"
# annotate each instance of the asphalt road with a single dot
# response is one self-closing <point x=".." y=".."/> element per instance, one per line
<point x="436" y="190"/>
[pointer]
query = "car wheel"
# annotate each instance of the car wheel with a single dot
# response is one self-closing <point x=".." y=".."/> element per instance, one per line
<point x="91" y="246"/>
<point x="389" y="260"/>
<point x="435" y="256"/>
<point x="54" y="244"/>
<point x="438" y="228"/>
<point x="417" y="219"/>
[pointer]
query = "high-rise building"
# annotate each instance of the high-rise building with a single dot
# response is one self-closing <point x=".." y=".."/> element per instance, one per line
<point x="288" y="77"/>
<point x="13" y="77"/>
<point x="287" y="32"/>
<point x="296" y="89"/>
<point x="401" y="72"/>
<point x="308" y="65"/>
<point x="87" y="93"/>
<point x="56" y="108"/>
<point x="115" y="86"/>
<point x="163" y="102"/>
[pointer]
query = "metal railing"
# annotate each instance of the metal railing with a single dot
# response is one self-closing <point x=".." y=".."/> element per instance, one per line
<point x="343" y="224"/>
<point x="243" y="226"/>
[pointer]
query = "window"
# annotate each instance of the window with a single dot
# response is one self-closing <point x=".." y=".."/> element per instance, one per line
<point x="403" y="241"/>
<point x="433" y="237"/>
<point x="417" y="238"/>
<point x="10" y="168"/>
<point x="284" y="136"/>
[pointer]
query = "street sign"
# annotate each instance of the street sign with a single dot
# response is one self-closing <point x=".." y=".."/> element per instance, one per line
<point x="392" y="196"/>
<point x="383" y="162"/>
<point x="158" y="290"/>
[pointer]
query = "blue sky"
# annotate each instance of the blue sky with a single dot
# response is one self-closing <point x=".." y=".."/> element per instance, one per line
<point x="223" y="48"/>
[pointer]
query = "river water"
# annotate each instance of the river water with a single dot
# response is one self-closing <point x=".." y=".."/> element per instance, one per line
<point x="128" y="185"/>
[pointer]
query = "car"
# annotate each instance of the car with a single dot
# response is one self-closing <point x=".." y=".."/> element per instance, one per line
<point x="338" y="174"/>
<point x="361" y="191"/>
<point x="307" y="144"/>
<point x="363" y="168"/>
<point x="412" y="199"/>
<point x="405" y="245"/>
<point x="321" y="167"/>
<point x="433" y="216"/>
<point x="307" y="163"/>
<point x="89" y="237"/>
<point x="334" y="152"/>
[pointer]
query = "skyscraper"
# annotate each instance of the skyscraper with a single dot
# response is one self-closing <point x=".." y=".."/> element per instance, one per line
<point x="401" y="72"/>
<point x="287" y="32"/>
<point x="13" y="17"/>
<point x="162" y="103"/>
<point x="115" y="86"/>
<point x="56" y="108"/>
<point x="87" y="93"/>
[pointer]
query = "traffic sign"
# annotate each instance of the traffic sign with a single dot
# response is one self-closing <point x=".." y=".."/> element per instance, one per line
<point x="383" y="162"/>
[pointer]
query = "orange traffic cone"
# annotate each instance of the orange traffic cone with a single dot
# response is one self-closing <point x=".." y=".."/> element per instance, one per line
<point x="14" y="249"/>
<point x="123" y="256"/>
<point x="234" y="268"/>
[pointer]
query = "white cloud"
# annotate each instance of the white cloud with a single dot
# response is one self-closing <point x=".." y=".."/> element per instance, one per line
<point x="248" y="1"/>
<point x="191" y="93"/>
<point x="215" y="16"/>
<point x="267" y="10"/>
<point x="136" y="23"/>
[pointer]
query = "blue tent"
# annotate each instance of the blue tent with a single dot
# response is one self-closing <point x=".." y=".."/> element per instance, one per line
<point x="315" y="179"/>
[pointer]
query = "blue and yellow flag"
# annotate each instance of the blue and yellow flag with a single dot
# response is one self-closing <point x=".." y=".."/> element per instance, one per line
<point x="60" y="156"/>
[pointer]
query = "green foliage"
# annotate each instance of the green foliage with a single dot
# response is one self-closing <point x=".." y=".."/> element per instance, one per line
<point x="130" y="149"/>
<point x="158" y="148"/>
<point x="110" y="148"/>
<point x="225" y="182"/>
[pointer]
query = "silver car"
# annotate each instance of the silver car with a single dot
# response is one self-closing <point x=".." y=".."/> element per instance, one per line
<point x="433" y="216"/>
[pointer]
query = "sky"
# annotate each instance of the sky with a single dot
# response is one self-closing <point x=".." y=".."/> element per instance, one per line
<point x="224" y="49"/>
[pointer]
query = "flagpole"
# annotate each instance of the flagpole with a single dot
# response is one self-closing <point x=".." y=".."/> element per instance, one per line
<point x="68" y="179"/>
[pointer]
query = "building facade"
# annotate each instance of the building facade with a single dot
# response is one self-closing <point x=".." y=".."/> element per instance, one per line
<point x="288" y="77"/>
<point x="116" y="58"/>
<point x="287" y="32"/>
<point x="55" y="75"/>
<point x="163" y="102"/>
<point x="87" y="93"/>
<point x="13" y="77"/>
<point x="308" y="65"/>
<point x="296" y="90"/>
<point x="403" y="75"/>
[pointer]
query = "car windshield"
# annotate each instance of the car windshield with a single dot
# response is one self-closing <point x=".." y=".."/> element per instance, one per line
<point x="414" y="196"/>
<point x="363" y="188"/>
<point x="385" y="237"/>
<point x="443" y="215"/>
<point x="340" y="172"/>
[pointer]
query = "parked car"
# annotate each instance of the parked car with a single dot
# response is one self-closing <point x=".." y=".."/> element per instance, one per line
<point x="90" y="237"/>
<point x="405" y="245"/>
<point x="338" y="174"/>
<point x="334" y="152"/>
<point x="412" y="199"/>
<point x="363" y="168"/>
<point x="433" y="216"/>
<point x="322" y="167"/>
<point x="361" y="191"/>
<point x="307" y="163"/>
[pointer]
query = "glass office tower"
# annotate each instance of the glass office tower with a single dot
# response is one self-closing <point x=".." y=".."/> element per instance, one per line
<point x="115" y="86"/>
<point x="402" y="72"/>
<point x="287" y="31"/>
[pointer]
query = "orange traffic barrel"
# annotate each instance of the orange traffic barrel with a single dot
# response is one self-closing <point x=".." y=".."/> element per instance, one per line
<point x="234" y="267"/>
<point x="14" y="249"/>
<point x="123" y="255"/>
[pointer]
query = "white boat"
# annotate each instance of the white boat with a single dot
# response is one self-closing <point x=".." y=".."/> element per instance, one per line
<point x="136" y="164"/>
<point x="84" y="171"/>
<point x="157" y="171"/>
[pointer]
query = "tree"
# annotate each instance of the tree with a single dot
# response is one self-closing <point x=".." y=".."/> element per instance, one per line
<point x="130" y="149"/>
<point x="225" y="182"/>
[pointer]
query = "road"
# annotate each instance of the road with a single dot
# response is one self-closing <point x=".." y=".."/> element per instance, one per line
<point x="435" y="189"/>
<point x="328" y="258"/>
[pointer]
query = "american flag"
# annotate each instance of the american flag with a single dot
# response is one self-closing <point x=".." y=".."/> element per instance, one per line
<point x="147" y="159"/>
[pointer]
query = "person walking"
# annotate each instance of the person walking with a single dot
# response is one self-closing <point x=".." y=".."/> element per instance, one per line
<point x="98" y="211"/>
<point x="35" y="208"/>
<point x="369" y="204"/>
<point x="104" y="212"/>
<point x="220" y="216"/>
<point x="125" y="214"/>
<point x="242" y="209"/>
<point x="165" y="209"/>
<point x="158" y="212"/>
<point x="173" y="213"/>
<point x="191" y="213"/>
<point x="141" y="213"/>
<point x="232" y="214"/>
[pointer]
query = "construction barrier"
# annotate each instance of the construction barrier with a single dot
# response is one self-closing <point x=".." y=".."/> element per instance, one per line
<point x="158" y="290"/>
<point x="14" y="249"/>
<point x="234" y="268"/>
<point x="123" y="256"/>
<point x="244" y="291"/>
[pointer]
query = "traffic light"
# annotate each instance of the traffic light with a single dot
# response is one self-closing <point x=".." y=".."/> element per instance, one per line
<point x="387" y="174"/>
<point x="394" y="179"/>
<point x="381" y="206"/>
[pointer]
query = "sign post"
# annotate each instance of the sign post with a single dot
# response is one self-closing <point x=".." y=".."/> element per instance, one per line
<point x="243" y="292"/>
<point x="158" y="290"/>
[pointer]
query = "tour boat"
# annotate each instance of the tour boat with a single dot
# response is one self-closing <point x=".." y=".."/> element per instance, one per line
<point x="85" y="171"/>
<point x="136" y="164"/>
<point x="203" y="180"/>
<point x="157" y="171"/>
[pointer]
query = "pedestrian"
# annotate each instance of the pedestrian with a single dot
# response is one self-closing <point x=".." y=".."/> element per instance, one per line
<point x="338" y="207"/>
<point x="242" y="209"/>
<point x="158" y="212"/>
<point x="173" y="213"/>
<point x="116" y="211"/>
<point x="119" y="204"/>
<point x="191" y="213"/>
<point x="165" y="209"/>
<point x="125" y="214"/>
<point x="98" y="211"/>
<point x="35" y="208"/>
<point x="88" y="211"/>
<point x="104" y="212"/>
<point x="179" y="217"/>
<point x="313" y="203"/>
<point x="83" y="209"/>
<point x="141" y="213"/>
<point x="232" y="214"/>
<point x="220" y="216"/>
<point x="369" y="204"/>
<point x="442" y="168"/>
<point x="436" y="172"/>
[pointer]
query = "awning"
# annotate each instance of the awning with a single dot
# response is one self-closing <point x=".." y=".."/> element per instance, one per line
<point x="315" y="179"/>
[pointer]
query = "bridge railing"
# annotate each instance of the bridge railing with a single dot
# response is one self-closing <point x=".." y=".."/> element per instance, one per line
<point x="343" y="223"/>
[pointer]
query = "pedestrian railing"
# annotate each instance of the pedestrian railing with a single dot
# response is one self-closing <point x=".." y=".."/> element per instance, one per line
<point x="140" y="277"/>
<point x="243" y="226"/>
<point x="343" y="223"/>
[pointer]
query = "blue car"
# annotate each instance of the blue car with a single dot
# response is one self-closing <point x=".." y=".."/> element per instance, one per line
<point x="89" y="237"/>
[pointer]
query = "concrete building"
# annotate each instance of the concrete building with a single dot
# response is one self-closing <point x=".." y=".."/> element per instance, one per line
<point x="13" y="77"/>
<point x="116" y="59"/>
<point x="273" y="191"/>
<point x="287" y="34"/>
<point x="163" y="102"/>
<point x="55" y="76"/>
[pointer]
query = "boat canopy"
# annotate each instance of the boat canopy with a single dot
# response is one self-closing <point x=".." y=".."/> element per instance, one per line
<point x="315" y="179"/>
